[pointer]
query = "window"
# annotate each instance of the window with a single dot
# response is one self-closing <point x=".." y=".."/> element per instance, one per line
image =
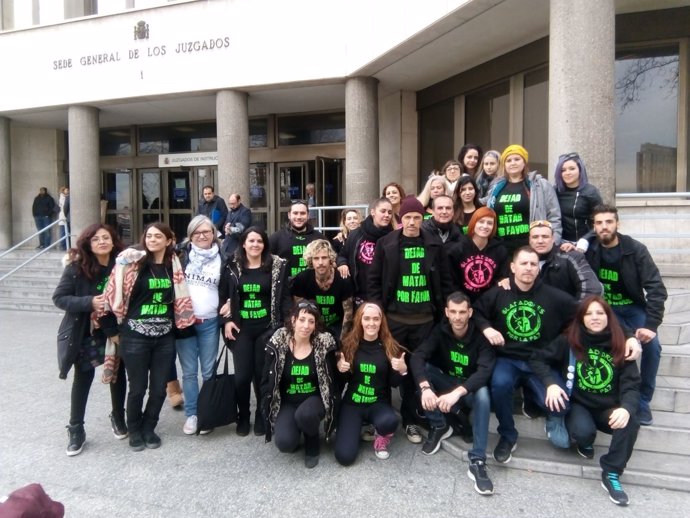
<point x="435" y="137"/>
<point x="647" y="119"/>
<point x="487" y="117"/>
<point x="115" y="142"/>
<point x="180" y="138"/>
<point x="318" y="128"/>
<point x="536" y="121"/>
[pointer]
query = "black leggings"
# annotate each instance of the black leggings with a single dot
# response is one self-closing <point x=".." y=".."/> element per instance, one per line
<point x="81" y="385"/>
<point x="248" y="354"/>
<point x="379" y="414"/>
<point x="294" y="420"/>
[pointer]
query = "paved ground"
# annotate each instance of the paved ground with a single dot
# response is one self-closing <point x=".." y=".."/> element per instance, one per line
<point x="224" y="475"/>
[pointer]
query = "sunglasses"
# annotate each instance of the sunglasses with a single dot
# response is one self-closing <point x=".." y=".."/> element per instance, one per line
<point x="569" y="156"/>
<point x="306" y="304"/>
<point x="540" y="223"/>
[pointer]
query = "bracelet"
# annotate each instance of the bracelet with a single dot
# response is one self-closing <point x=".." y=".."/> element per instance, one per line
<point x="427" y="387"/>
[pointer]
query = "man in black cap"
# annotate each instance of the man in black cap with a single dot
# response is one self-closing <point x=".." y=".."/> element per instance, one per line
<point x="410" y="279"/>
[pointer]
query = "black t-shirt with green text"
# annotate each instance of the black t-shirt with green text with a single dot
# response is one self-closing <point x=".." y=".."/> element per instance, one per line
<point x="512" y="209"/>
<point x="330" y="301"/>
<point x="369" y="382"/>
<point x="152" y="294"/>
<point x="609" y="276"/>
<point x="299" y="380"/>
<point x="413" y="292"/>
<point x="255" y="296"/>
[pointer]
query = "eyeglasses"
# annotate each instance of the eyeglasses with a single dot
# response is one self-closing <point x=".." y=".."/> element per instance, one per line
<point x="105" y="239"/>
<point x="569" y="156"/>
<point x="540" y="223"/>
<point x="204" y="233"/>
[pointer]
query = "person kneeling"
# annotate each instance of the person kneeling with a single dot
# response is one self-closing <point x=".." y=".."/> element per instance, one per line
<point x="297" y="385"/>
<point x="452" y="368"/>
<point x="371" y="362"/>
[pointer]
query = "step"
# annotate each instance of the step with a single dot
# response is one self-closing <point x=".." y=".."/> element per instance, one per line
<point x="678" y="300"/>
<point x="47" y="280"/>
<point x="670" y="432"/>
<point x="16" y="304"/>
<point x="675" y="328"/>
<point x="672" y="394"/>
<point x="32" y="293"/>
<point x="675" y="361"/>
<point x="668" y="471"/>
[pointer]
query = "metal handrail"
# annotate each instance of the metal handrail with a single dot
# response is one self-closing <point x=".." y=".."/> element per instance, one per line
<point x="320" y="211"/>
<point x="38" y="254"/>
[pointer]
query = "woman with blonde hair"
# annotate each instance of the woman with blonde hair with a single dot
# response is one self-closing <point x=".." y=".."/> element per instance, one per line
<point x="435" y="186"/>
<point x="371" y="362"/>
<point x="350" y="219"/>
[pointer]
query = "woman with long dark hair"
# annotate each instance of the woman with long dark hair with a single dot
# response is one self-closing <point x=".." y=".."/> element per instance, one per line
<point x="470" y="158"/>
<point x="395" y="194"/>
<point x="371" y="362"/>
<point x="297" y="387"/>
<point x="254" y="284"/>
<point x="148" y="294"/>
<point x="605" y="387"/>
<point x="86" y="326"/>
<point x="467" y="200"/>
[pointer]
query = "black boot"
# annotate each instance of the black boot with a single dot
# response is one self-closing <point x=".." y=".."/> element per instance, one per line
<point x="259" y="424"/>
<point x="312" y="447"/>
<point x="243" y="424"/>
<point x="77" y="438"/>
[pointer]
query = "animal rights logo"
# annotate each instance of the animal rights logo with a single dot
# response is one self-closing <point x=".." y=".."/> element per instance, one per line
<point x="596" y="375"/>
<point x="523" y="320"/>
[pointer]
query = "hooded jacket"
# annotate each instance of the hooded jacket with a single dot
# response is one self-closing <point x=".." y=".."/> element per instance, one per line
<point x="571" y="273"/>
<point x="543" y="202"/>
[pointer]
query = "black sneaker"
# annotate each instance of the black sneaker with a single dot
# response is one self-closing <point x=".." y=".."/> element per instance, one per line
<point x="611" y="483"/>
<point x="151" y="439"/>
<point x="644" y="416"/>
<point x="482" y="482"/>
<point x="136" y="441"/>
<point x="531" y="410"/>
<point x="243" y="427"/>
<point x="77" y="438"/>
<point x="586" y="452"/>
<point x="119" y="427"/>
<point x="503" y="450"/>
<point x="434" y="439"/>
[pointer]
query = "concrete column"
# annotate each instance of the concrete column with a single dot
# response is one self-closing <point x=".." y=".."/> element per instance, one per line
<point x="5" y="184"/>
<point x="581" y="87"/>
<point x="233" y="143"/>
<point x="361" y="140"/>
<point x="84" y="170"/>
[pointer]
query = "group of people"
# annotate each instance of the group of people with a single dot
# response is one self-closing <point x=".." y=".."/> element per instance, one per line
<point x="45" y="209"/>
<point x="491" y="281"/>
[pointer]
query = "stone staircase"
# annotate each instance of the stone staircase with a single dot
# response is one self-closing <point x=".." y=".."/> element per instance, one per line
<point x="31" y="288"/>
<point x="662" y="452"/>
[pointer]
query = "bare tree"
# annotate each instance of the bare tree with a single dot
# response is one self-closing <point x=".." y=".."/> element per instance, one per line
<point x="645" y="73"/>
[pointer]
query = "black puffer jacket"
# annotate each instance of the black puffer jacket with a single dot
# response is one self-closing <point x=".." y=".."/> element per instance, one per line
<point x="576" y="211"/>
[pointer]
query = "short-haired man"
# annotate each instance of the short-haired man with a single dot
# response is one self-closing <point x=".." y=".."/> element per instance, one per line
<point x="322" y="283"/>
<point x="570" y="271"/>
<point x="213" y="207"/>
<point x="441" y="220"/>
<point x="516" y="321"/>
<point x="290" y="242"/>
<point x="410" y="279"/>
<point x="452" y="368"/>
<point x="238" y="219"/>
<point x="635" y="291"/>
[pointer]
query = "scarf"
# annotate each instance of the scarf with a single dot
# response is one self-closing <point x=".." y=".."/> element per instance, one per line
<point x="199" y="257"/>
<point x="373" y="232"/>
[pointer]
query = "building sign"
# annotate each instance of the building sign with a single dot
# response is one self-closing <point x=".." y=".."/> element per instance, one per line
<point x="188" y="159"/>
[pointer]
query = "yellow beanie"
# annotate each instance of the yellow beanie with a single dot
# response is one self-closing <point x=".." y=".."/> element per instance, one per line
<point x="514" y="149"/>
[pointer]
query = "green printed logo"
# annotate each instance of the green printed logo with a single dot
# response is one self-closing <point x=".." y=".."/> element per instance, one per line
<point x="597" y="374"/>
<point x="523" y="320"/>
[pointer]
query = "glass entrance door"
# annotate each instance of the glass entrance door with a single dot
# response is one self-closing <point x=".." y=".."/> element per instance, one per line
<point x="292" y="177"/>
<point x="117" y="204"/>
<point x="329" y="187"/>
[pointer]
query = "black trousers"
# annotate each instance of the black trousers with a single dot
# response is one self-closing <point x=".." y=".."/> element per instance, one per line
<point x="410" y="336"/>
<point x="248" y="356"/>
<point x="583" y="423"/>
<point x="379" y="414"/>
<point x="81" y="386"/>
<point x="148" y="367"/>
<point x="293" y="420"/>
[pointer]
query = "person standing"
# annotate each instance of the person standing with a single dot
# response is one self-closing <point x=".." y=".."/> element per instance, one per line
<point x="254" y="284"/>
<point x="635" y="291"/>
<point x="289" y="243"/>
<point x="213" y="207"/>
<point x="63" y="216"/>
<point x="238" y="219"/>
<point x="201" y="262"/>
<point x="148" y="294"/>
<point x="86" y="326"/>
<point x="410" y="280"/>
<point x="43" y="210"/>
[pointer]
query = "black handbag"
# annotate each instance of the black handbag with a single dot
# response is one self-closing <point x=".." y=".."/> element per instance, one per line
<point x="217" y="405"/>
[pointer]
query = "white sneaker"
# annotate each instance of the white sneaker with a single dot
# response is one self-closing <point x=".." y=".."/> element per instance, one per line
<point x="190" y="425"/>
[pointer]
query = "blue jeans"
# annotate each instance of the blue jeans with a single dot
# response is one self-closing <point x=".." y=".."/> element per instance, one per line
<point x="44" y="238"/>
<point x="633" y="317"/>
<point x="479" y="402"/>
<point x="194" y="352"/>
<point x="508" y="374"/>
